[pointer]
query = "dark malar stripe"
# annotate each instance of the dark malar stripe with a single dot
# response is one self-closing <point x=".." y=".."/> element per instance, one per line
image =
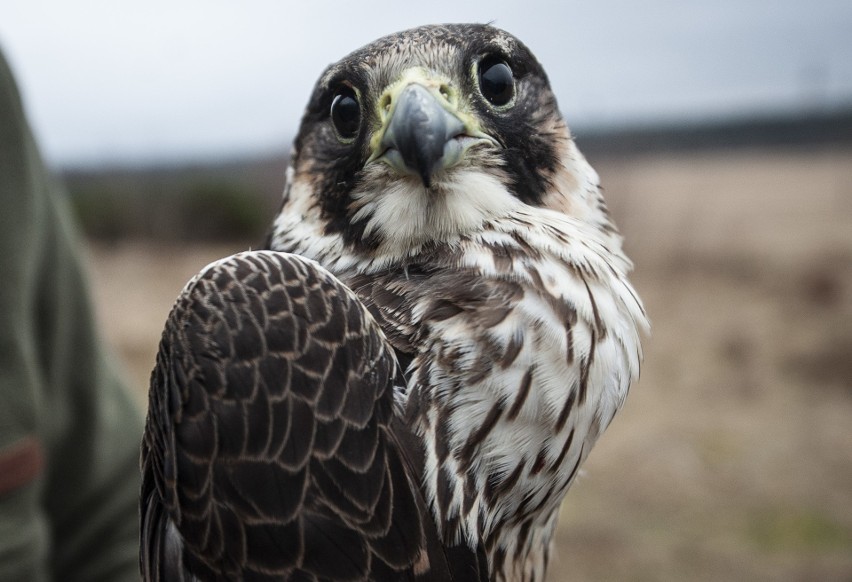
<point x="523" y="392"/>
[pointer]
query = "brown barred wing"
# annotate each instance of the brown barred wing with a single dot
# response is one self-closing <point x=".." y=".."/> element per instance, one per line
<point x="267" y="453"/>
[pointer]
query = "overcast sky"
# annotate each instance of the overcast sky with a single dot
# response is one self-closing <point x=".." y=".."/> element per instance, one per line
<point x="158" y="80"/>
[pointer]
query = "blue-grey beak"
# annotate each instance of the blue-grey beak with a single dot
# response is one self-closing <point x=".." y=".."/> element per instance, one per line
<point x="420" y="136"/>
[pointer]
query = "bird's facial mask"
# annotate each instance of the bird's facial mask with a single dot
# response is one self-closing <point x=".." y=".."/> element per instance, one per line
<point x="423" y="129"/>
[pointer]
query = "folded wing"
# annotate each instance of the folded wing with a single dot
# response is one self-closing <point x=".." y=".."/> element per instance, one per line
<point x="268" y="452"/>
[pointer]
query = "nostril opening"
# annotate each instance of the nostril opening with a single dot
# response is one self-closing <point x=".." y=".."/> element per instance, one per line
<point x="385" y="103"/>
<point x="444" y="90"/>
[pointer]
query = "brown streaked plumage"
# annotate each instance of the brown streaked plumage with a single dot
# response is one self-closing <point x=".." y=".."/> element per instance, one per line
<point x="407" y="383"/>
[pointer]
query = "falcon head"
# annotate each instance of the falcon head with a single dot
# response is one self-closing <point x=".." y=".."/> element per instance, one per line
<point x="422" y="137"/>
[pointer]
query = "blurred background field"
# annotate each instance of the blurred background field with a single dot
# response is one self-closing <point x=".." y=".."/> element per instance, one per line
<point x="732" y="459"/>
<point x="722" y="132"/>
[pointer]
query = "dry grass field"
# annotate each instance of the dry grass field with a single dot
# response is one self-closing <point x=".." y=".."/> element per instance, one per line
<point x="732" y="459"/>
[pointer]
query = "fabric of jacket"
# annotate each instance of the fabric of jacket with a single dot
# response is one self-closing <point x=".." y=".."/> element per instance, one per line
<point x="69" y="432"/>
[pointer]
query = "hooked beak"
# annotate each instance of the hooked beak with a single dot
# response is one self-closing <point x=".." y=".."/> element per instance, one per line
<point x="423" y="132"/>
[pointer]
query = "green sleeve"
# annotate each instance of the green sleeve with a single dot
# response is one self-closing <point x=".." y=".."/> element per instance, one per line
<point x="69" y="432"/>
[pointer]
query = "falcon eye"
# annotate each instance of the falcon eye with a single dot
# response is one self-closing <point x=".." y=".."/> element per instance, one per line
<point x="346" y="113"/>
<point x="496" y="81"/>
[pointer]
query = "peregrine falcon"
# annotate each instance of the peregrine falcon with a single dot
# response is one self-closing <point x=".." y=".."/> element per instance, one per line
<point x="404" y="384"/>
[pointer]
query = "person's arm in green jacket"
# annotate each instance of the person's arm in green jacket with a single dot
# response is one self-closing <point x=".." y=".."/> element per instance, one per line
<point x="69" y="432"/>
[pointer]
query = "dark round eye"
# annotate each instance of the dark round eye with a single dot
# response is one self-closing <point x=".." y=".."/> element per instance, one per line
<point x="496" y="81"/>
<point x="346" y="113"/>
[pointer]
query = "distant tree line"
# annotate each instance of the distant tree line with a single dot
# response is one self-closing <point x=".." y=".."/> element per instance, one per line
<point x="767" y="131"/>
<point x="235" y="201"/>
